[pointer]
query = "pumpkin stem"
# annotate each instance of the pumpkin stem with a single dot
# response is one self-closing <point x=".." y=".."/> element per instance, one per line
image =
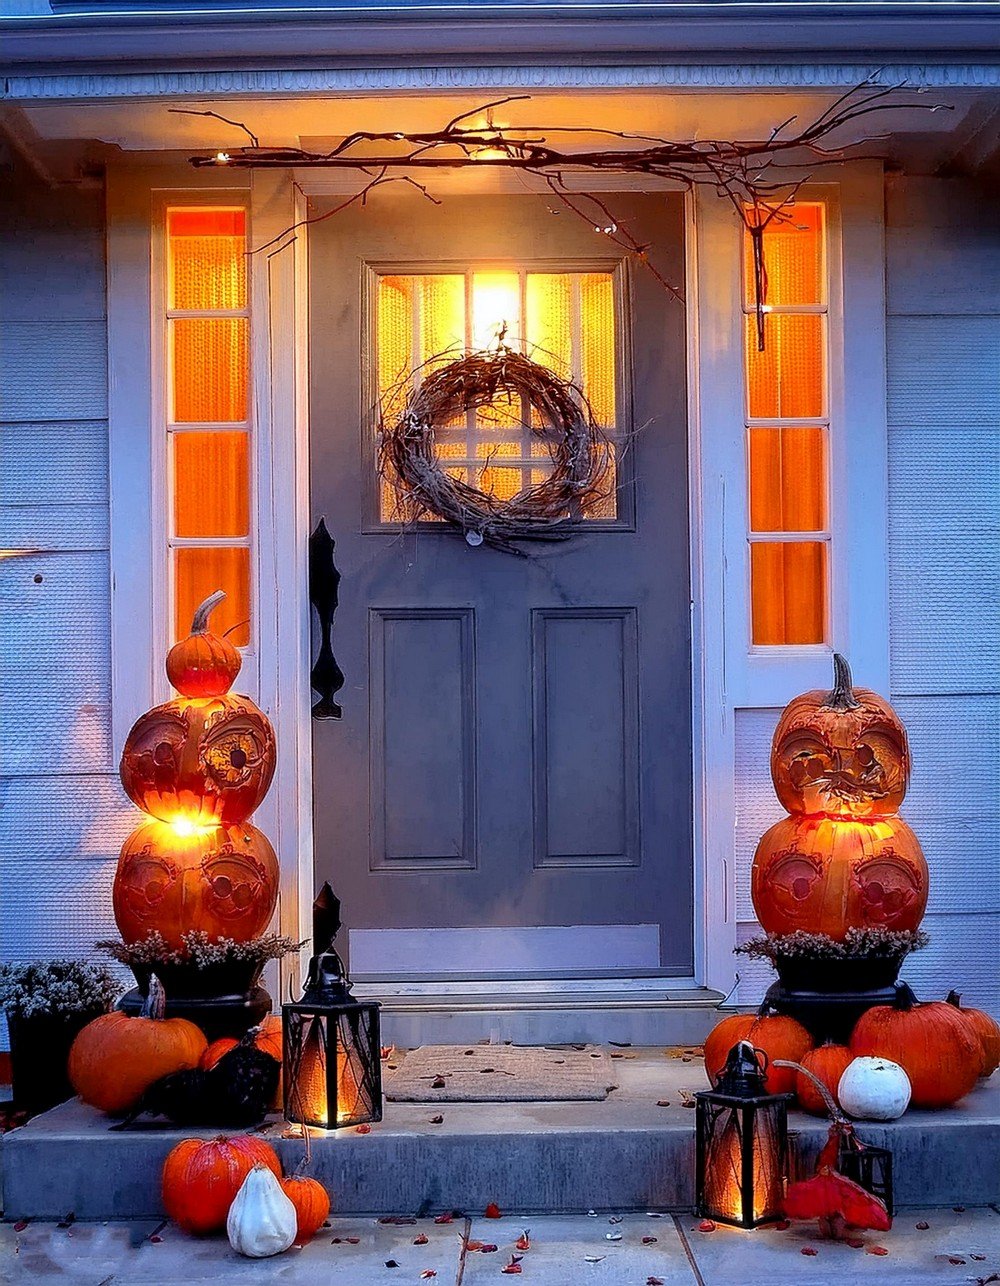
<point x="199" y="625"/>
<point x="842" y="695"/>
<point x="155" y="1004"/>
<point x="954" y="998"/>
<point x="828" y="1099"/>
<point x="905" y="999"/>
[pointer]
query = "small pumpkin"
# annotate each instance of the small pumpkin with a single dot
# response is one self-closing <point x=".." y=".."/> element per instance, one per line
<point x="204" y="664"/>
<point x="267" y="1039"/>
<point x="932" y="1043"/>
<point x="841" y="753"/>
<point x="874" y="1089"/>
<point x="201" y="1178"/>
<point x="311" y="1201"/>
<point x="115" y="1058"/>
<point x="986" y="1028"/>
<point x="262" y="1220"/>
<point x="775" y="1034"/>
<point x="827" y="1063"/>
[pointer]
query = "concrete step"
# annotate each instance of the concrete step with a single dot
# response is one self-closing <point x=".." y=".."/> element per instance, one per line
<point x="626" y="1153"/>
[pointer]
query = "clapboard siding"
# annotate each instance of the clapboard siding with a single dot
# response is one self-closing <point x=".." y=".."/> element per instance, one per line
<point x="62" y="812"/>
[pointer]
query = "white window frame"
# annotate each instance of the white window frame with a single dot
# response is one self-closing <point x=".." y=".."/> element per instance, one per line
<point x="730" y="674"/>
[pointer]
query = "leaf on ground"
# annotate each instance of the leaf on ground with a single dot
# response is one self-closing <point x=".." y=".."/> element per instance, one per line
<point x="362" y="1129"/>
<point x="445" y="1218"/>
<point x="511" y="1268"/>
<point x="436" y="1120"/>
<point x="922" y="1226"/>
<point x="654" y="1281"/>
<point x="523" y="1242"/>
<point x="648" y="1241"/>
<point x="593" y="1259"/>
<point x="155" y="1239"/>
<point x="21" y="1225"/>
<point x="706" y="1225"/>
<point x="492" y="1211"/>
<point x="877" y="1250"/>
<point x="353" y="1241"/>
<point x="397" y="1219"/>
<point x="979" y="1258"/>
<point x="613" y="1219"/>
<point x="391" y="1263"/>
<point x="959" y="1210"/>
<point x="428" y="1272"/>
<point x="955" y="1259"/>
<point x="809" y="1250"/>
<point x="855" y="1243"/>
<point x="612" y="1236"/>
<point x="420" y="1239"/>
<point x="437" y="1083"/>
<point x="663" y="1102"/>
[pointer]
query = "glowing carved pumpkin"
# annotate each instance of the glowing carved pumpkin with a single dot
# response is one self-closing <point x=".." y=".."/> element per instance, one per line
<point x="208" y="760"/>
<point x="221" y="880"/>
<point x="841" y="753"/>
<point x="827" y="875"/>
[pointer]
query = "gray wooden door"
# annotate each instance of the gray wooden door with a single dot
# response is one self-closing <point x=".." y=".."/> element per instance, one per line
<point x="509" y="789"/>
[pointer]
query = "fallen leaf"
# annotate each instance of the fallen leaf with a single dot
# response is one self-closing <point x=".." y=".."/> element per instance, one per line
<point x="523" y="1242"/>
<point x="591" y="1214"/>
<point x="922" y="1226"/>
<point x="362" y="1129"/>
<point x="613" y="1056"/>
<point x="612" y="1236"/>
<point x="428" y="1272"/>
<point x="385" y="1050"/>
<point x="445" y="1218"/>
<point x="616" y="1219"/>
<point x="781" y="1225"/>
<point x="437" y="1083"/>
<point x="654" y="1281"/>
<point x="809" y="1250"/>
<point x="972" y="1255"/>
<point x="954" y="1259"/>
<point x="706" y="1225"/>
<point x="959" y="1210"/>
<point x="488" y="1248"/>
<point x="655" y="1214"/>
<point x="436" y="1120"/>
<point x="397" y="1219"/>
<point x="335" y="1241"/>
<point x="492" y="1211"/>
<point x="353" y="1241"/>
<point x="593" y="1259"/>
<point x="877" y="1250"/>
<point x="391" y="1263"/>
<point x="620" y="1044"/>
<point x="514" y="1266"/>
<point x="21" y="1225"/>
<point x="648" y="1241"/>
<point x="663" y="1102"/>
<point x="854" y="1242"/>
<point x="420" y="1239"/>
<point x="155" y="1239"/>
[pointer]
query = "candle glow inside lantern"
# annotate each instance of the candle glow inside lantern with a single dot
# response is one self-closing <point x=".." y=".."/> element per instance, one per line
<point x="741" y="1144"/>
<point x="332" y="1050"/>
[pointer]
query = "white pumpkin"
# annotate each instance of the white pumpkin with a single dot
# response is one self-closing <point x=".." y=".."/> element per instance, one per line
<point x="874" y="1089"/>
<point x="262" y="1220"/>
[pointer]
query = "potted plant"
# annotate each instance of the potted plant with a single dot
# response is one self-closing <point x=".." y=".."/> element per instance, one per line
<point x="47" y="1002"/>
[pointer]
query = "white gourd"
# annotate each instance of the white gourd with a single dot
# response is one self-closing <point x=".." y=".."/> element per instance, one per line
<point x="262" y="1220"/>
<point x="874" y="1089"/>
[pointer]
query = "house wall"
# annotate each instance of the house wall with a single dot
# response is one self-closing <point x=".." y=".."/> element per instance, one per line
<point x="943" y="342"/>
<point x="62" y="813"/>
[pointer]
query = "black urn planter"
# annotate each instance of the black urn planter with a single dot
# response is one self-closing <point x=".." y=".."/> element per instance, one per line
<point x="39" y="1052"/>
<point x="222" y="999"/>
<point x="846" y="974"/>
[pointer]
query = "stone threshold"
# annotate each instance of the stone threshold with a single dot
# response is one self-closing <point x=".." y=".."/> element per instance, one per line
<point x="623" y="1154"/>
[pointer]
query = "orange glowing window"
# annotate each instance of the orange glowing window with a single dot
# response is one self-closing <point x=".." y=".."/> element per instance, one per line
<point x="208" y="416"/>
<point x="787" y="433"/>
<point x="564" y="320"/>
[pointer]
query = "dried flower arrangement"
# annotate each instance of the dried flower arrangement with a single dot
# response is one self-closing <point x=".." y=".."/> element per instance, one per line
<point x="200" y="951"/>
<point x="858" y="943"/>
<point x="483" y="383"/>
<point x="57" y="987"/>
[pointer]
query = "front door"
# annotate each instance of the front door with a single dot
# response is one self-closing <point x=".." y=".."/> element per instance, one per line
<point x="508" y="792"/>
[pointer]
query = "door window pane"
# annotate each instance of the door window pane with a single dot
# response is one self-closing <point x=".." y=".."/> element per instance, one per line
<point x="207" y="259"/>
<point x="789" y="592"/>
<point x="200" y="571"/>
<point x="210" y="360"/>
<point x="788" y="479"/>
<point x="211" y="484"/>
<point x="793" y="257"/>
<point x="786" y="379"/>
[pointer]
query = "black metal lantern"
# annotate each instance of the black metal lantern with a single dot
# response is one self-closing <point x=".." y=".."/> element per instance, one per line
<point x="742" y="1143"/>
<point x="870" y="1167"/>
<point x="332" y="1056"/>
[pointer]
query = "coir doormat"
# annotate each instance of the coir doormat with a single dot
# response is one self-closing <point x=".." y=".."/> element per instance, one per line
<point x="498" y="1074"/>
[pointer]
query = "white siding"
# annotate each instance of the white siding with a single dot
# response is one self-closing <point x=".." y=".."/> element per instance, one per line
<point x="943" y="288"/>
<point x="62" y="813"/>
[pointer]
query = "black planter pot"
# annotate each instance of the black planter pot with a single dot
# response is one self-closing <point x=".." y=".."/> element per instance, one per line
<point x="217" y="1016"/>
<point x="183" y="982"/>
<point x="853" y="974"/>
<point x="39" y="1051"/>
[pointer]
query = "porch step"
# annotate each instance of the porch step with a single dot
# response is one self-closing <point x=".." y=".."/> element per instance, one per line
<point x="626" y="1153"/>
<point x="646" y="1013"/>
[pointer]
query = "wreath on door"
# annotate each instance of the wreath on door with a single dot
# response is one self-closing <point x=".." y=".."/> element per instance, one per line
<point x="557" y="414"/>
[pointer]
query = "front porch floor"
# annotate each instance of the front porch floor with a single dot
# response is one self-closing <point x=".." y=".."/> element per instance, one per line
<point x="627" y="1153"/>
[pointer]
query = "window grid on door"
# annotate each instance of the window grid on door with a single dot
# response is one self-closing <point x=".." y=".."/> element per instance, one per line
<point x="208" y="424"/>
<point x="563" y="320"/>
<point x="787" y="429"/>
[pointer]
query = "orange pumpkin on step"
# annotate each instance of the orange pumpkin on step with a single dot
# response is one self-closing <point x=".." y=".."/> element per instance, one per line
<point x="986" y="1028"/>
<point x="115" y="1059"/>
<point x="221" y="880"/>
<point x="312" y="1204"/>
<point x="268" y="1039"/>
<point x="828" y="875"/>
<point x="827" y="1063"/>
<point x="776" y="1035"/>
<point x="841" y="753"/>
<point x="932" y="1043"/>
<point x="202" y="1176"/>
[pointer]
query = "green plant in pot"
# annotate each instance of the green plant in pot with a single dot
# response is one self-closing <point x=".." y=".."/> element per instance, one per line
<point x="47" y="1002"/>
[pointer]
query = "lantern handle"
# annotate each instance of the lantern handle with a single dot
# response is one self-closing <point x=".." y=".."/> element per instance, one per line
<point x="831" y="1106"/>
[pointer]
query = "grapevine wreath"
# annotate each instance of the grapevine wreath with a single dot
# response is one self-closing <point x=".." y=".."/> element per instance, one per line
<point x="558" y="415"/>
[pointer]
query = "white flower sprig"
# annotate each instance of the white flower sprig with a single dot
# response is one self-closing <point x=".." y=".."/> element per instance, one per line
<point x="57" y="987"/>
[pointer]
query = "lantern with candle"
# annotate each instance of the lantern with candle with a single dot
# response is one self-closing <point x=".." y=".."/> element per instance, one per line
<point x="332" y="1055"/>
<point x="741" y="1143"/>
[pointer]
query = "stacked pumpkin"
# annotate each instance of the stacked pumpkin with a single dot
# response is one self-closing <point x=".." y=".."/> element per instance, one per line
<point x="198" y="766"/>
<point x="843" y="859"/>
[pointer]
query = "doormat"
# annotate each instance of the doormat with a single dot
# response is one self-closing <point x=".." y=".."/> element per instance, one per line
<point x="499" y="1074"/>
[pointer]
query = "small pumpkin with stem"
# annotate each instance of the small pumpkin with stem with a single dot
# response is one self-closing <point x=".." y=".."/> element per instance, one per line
<point x="204" y="664"/>
<point x="115" y="1058"/>
<point x="986" y="1028"/>
<point x="827" y="1063"/>
<point x="311" y="1201"/>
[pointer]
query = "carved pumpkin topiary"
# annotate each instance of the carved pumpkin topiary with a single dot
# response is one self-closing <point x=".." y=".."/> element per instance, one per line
<point x="828" y="875"/>
<point x="932" y="1043"/>
<point x="775" y="1034"/>
<point x="827" y="1063"/>
<point x="841" y="753"/>
<point x="207" y="760"/>
<point x="204" y="664"/>
<point x="115" y="1059"/>
<point x="221" y="880"/>
<point x="987" y="1029"/>
<point x="201" y="1178"/>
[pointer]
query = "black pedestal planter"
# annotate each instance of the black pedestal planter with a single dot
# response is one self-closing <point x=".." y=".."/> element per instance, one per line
<point x="223" y="999"/>
<point x="39" y="1050"/>
<point x="828" y="996"/>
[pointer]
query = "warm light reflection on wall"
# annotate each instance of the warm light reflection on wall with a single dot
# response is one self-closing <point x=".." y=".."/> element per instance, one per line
<point x="787" y="433"/>
<point x="208" y="416"/>
<point x="565" y="321"/>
